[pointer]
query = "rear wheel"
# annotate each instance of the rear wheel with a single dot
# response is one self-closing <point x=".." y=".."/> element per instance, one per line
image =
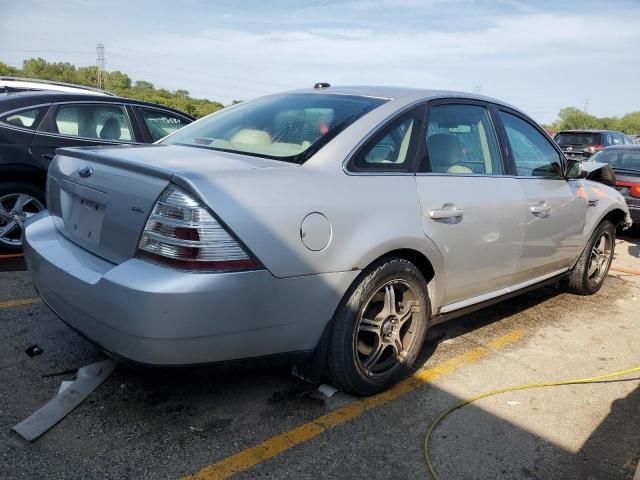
<point x="379" y="328"/>
<point x="591" y="270"/>
<point x="18" y="202"/>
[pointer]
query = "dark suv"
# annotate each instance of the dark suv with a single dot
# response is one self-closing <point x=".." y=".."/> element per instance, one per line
<point x="581" y="144"/>
<point x="34" y="124"/>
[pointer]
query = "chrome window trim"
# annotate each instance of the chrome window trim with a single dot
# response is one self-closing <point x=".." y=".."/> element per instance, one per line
<point x="171" y="112"/>
<point x="93" y="139"/>
<point x="382" y="125"/>
<point x="445" y="174"/>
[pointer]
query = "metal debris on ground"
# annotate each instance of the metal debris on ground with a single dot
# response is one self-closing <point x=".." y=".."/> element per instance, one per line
<point x="87" y="380"/>
<point x="327" y="390"/>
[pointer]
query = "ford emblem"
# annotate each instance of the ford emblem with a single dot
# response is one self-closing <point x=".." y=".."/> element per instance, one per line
<point x="85" y="171"/>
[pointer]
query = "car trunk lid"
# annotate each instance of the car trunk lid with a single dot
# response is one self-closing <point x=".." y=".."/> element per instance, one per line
<point x="101" y="197"/>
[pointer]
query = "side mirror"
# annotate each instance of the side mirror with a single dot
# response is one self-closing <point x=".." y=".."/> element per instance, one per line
<point x="575" y="170"/>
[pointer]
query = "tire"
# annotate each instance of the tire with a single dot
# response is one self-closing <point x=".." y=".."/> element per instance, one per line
<point x="587" y="277"/>
<point x="394" y="293"/>
<point x="10" y="192"/>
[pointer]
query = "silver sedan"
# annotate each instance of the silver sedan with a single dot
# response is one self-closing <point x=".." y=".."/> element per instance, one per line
<point x="333" y="225"/>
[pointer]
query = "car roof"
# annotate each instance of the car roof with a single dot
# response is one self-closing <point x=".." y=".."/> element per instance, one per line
<point x="23" y="83"/>
<point x="14" y="100"/>
<point x="394" y="93"/>
<point x="623" y="147"/>
<point x="588" y="130"/>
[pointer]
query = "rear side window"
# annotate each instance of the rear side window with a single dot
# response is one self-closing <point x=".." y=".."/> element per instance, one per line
<point x="24" y="118"/>
<point x="103" y="122"/>
<point x="461" y="140"/>
<point x="532" y="152"/>
<point x="618" y="139"/>
<point x="390" y="150"/>
<point x="161" y="123"/>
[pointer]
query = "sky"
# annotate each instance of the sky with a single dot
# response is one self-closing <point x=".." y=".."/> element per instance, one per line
<point x="538" y="55"/>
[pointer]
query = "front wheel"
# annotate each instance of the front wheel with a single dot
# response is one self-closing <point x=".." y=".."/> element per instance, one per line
<point x="379" y="328"/>
<point x="591" y="270"/>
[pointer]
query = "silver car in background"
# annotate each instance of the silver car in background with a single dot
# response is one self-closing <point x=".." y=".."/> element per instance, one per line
<point x="333" y="224"/>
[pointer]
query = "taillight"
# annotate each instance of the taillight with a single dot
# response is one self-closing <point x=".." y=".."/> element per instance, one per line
<point x="182" y="233"/>
<point x="633" y="188"/>
<point x="595" y="148"/>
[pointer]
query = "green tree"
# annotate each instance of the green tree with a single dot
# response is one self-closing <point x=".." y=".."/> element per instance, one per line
<point x="117" y="82"/>
<point x="572" y="118"/>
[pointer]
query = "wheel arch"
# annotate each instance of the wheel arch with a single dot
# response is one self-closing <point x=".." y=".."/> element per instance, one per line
<point x="24" y="173"/>
<point x="431" y="267"/>
<point x="615" y="216"/>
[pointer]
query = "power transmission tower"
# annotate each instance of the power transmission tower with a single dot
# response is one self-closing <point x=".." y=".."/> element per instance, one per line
<point x="100" y="63"/>
<point x="586" y="105"/>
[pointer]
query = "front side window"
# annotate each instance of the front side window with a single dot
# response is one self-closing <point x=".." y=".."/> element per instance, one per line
<point x="103" y="122"/>
<point x="23" y="118"/>
<point x="533" y="154"/>
<point x="461" y="140"/>
<point x="289" y="127"/>
<point x="161" y="123"/>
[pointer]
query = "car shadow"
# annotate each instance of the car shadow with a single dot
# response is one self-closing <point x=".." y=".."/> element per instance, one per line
<point x="633" y="242"/>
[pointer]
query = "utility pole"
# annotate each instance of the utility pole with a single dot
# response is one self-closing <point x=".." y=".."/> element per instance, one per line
<point x="100" y="63"/>
<point x="586" y="105"/>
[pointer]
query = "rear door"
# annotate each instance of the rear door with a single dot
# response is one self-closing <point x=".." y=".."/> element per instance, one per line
<point x="471" y="209"/>
<point x="555" y="214"/>
<point x="78" y="124"/>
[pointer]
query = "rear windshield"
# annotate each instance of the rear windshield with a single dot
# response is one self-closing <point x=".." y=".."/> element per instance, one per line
<point x="289" y="127"/>
<point x="619" y="159"/>
<point x="586" y="139"/>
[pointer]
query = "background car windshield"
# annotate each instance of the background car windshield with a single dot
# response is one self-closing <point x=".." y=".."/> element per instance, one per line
<point x="285" y="127"/>
<point x="578" y="139"/>
<point x="627" y="160"/>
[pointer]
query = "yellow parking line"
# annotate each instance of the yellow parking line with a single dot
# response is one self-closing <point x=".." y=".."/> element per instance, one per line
<point x="253" y="456"/>
<point x="18" y="303"/>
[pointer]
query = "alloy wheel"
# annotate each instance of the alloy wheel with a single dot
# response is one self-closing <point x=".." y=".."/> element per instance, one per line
<point x="600" y="258"/>
<point x="386" y="328"/>
<point x="15" y="208"/>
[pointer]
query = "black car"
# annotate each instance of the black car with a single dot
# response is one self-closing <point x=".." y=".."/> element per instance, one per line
<point x="581" y="144"/>
<point x="34" y="124"/>
<point x="625" y="161"/>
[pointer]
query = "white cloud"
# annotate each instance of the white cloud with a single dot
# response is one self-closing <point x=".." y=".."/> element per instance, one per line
<point x="541" y="59"/>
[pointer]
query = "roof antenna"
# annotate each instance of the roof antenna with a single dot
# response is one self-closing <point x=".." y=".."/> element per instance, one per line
<point x="321" y="85"/>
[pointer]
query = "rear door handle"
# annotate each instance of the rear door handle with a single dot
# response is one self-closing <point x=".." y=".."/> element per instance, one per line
<point x="540" y="209"/>
<point x="447" y="212"/>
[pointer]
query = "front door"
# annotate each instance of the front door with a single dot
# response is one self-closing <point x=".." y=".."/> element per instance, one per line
<point x="555" y="213"/>
<point x="470" y="210"/>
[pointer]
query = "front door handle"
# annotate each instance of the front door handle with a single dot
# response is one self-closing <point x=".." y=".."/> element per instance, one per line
<point x="447" y="212"/>
<point x="541" y="209"/>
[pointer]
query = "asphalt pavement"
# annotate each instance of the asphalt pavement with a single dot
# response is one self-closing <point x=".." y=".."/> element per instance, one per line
<point x="264" y="423"/>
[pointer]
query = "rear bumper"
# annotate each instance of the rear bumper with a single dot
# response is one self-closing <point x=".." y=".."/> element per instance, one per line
<point x="154" y="315"/>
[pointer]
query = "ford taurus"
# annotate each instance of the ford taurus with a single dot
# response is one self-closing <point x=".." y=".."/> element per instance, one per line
<point x="335" y="225"/>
